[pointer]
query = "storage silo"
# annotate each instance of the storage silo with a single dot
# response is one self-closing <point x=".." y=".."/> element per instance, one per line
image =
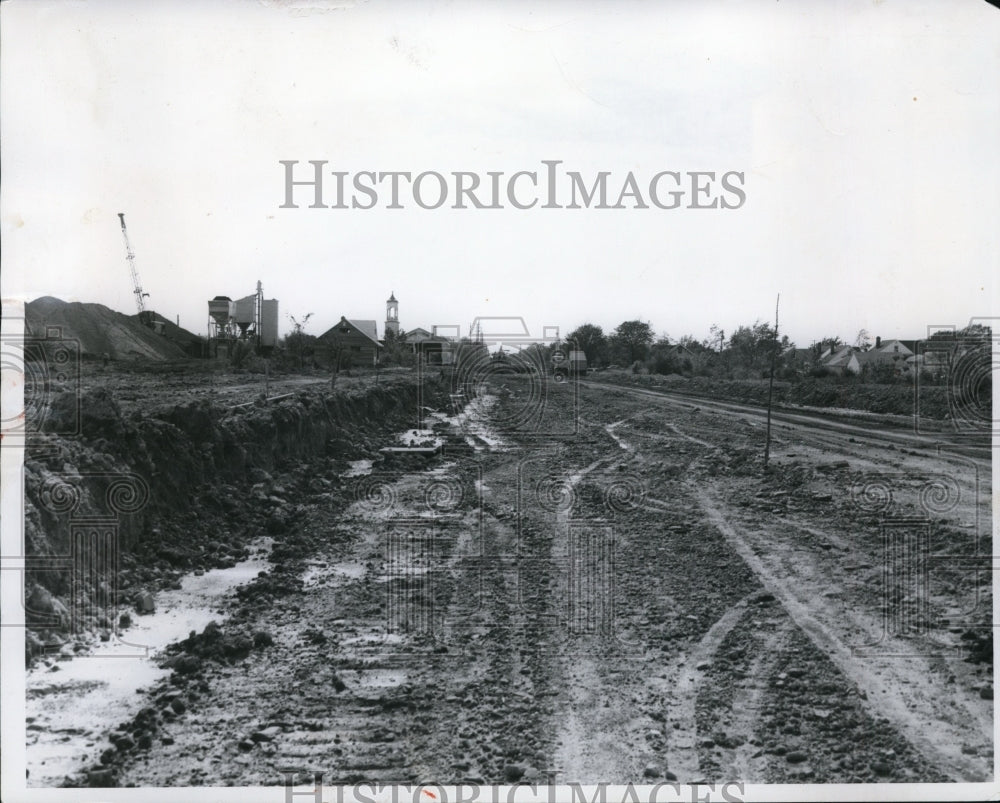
<point x="220" y="310"/>
<point x="269" y="322"/>
<point x="245" y="312"/>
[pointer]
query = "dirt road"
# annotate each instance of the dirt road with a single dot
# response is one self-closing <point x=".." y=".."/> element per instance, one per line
<point x="595" y="584"/>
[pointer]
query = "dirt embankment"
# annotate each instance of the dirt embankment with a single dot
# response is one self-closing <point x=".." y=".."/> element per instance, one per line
<point x="900" y="399"/>
<point x="134" y="501"/>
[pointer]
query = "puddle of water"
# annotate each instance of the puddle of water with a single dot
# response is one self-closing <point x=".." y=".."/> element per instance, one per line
<point x="419" y="437"/>
<point x="358" y="468"/>
<point x="472" y="422"/>
<point x="70" y="710"/>
<point x="382" y="678"/>
<point x="316" y="575"/>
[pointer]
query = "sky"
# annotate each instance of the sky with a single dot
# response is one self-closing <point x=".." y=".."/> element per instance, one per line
<point x="865" y="131"/>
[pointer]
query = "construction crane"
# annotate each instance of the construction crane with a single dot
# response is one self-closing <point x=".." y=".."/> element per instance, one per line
<point x="136" y="286"/>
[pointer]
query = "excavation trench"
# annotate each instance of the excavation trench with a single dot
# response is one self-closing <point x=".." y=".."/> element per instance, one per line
<point x="191" y="499"/>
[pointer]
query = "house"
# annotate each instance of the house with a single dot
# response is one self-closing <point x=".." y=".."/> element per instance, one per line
<point x="800" y="359"/>
<point x="355" y="341"/>
<point x="842" y="360"/>
<point x="892" y="350"/>
<point x="893" y="353"/>
<point x="431" y="347"/>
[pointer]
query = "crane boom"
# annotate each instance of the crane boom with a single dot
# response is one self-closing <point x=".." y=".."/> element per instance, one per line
<point x="130" y="258"/>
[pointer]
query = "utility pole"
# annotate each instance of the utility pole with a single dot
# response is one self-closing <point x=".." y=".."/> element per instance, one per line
<point x="770" y="385"/>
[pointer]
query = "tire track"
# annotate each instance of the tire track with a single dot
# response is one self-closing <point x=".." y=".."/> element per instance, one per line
<point x="905" y="696"/>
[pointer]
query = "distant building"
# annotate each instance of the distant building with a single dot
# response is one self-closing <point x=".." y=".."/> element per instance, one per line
<point x="852" y="360"/>
<point x="392" y="314"/>
<point x="252" y="317"/>
<point x="799" y="359"/>
<point x="842" y="360"/>
<point x="355" y="341"/>
<point x="432" y="348"/>
<point x="894" y="353"/>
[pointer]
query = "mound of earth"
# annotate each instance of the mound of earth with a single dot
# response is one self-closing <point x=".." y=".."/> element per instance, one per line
<point x="189" y="342"/>
<point x="100" y="330"/>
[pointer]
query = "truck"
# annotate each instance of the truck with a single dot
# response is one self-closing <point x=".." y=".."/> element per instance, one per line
<point x="567" y="362"/>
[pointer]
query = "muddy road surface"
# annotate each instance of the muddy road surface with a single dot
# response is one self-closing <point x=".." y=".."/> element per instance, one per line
<point x="592" y="584"/>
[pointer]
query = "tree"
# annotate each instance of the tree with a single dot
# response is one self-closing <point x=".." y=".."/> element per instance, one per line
<point x="664" y="359"/>
<point x="863" y="340"/>
<point x="395" y="350"/>
<point x="752" y="345"/>
<point x="716" y="340"/>
<point x="590" y="339"/>
<point x="631" y="340"/>
<point x="296" y="339"/>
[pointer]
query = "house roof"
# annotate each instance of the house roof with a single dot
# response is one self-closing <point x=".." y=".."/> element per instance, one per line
<point x="840" y="357"/>
<point x="889" y="347"/>
<point x="364" y="327"/>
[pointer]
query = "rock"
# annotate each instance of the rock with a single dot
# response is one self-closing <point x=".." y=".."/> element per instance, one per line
<point x="701" y="666"/>
<point x="144" y="603"/>
<point x="651" y="771"/>
<point x="237" y="646"/>
<point x="730" y="741"/>
<point x="124" y="742"/>
<point x="795" y="672"/>
<point x="245" y="745"/>
<point x="33" y="645"/>
<point x="145" y="741"/>
<point x="266" y="734"/>
<point x="212" y="631"/>
<point x="178" y="706"/>
<point x="512" y="772"/>
<point x="986" y="692"/>
<point x="101" y="777"/>
<point x="187" y="664"/>
<point x="42" y="605"/>
<point x="795" y="757"/>
<point x="669" y="775"/>
<point x="262" y="639"/>
<point x="881" y="768"/>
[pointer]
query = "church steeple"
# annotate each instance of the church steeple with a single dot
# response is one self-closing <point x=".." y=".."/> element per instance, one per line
<point x="392" y="314"/>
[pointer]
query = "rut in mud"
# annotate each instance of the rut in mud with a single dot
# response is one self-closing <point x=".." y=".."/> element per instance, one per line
<point x="607" y="589"/>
